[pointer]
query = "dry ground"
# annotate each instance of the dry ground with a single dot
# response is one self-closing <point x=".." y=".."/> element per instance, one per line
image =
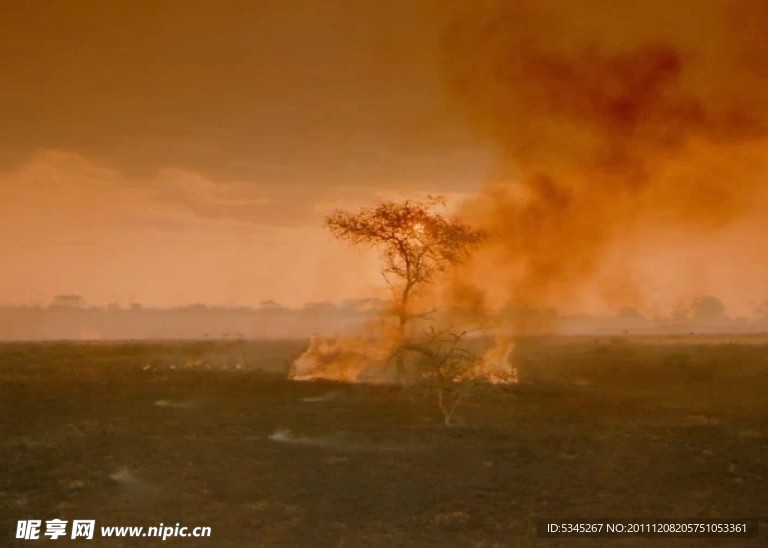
<point x="138" y="434"/>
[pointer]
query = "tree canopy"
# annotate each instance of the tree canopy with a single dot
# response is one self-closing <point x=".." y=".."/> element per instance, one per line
<point x="416" y="241"/>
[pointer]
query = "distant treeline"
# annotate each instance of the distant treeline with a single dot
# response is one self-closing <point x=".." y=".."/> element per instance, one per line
<point x="196" y="321"/>
<point x="68" y="317"/>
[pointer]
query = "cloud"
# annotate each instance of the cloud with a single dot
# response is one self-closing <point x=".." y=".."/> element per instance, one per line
<point x="207" y="198"/>
<point x="68" y="185"/>
<point x="72" y="225"/>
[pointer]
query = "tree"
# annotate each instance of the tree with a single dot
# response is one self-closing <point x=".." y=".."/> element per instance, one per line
<point x="707" y="309"/>
<point x="68" y="301"/>
<point x="416" y="243"/>
<point x="448" y="366"/>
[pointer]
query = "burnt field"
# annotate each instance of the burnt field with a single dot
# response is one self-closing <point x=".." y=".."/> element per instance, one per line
<point x="211" y="434"/>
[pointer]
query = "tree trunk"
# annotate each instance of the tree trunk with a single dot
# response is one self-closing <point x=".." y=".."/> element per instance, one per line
<point x="401" y="335"/>
<point x="400" y="367"/>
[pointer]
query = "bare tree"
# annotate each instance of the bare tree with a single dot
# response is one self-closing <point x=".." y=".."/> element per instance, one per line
<point x="416" y="243"/>
<point x="448" y="366"/>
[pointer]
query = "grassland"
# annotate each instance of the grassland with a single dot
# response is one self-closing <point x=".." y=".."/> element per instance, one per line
<point x="212" y="434"/>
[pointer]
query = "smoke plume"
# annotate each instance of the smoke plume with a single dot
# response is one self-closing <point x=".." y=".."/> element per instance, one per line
<point x="608" y="117"/>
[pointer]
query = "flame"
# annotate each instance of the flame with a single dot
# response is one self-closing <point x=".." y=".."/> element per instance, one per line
<point x="496" y="366"/>
<point x="369" y="360"/>
<point x="345" y="359"/>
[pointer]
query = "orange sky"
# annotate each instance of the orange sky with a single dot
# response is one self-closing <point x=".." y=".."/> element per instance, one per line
<point x="176" y="152"/>
<point x="172" y="152"/>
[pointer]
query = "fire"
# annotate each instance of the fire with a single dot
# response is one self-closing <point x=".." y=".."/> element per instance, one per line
<point x="344" y="359"/>
<point x="496" y="366"/>
<point x="611" y="121"/>
<point x="368" y="360"/>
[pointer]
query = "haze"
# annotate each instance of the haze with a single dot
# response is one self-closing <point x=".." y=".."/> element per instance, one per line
<point x="177" y="152"/>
